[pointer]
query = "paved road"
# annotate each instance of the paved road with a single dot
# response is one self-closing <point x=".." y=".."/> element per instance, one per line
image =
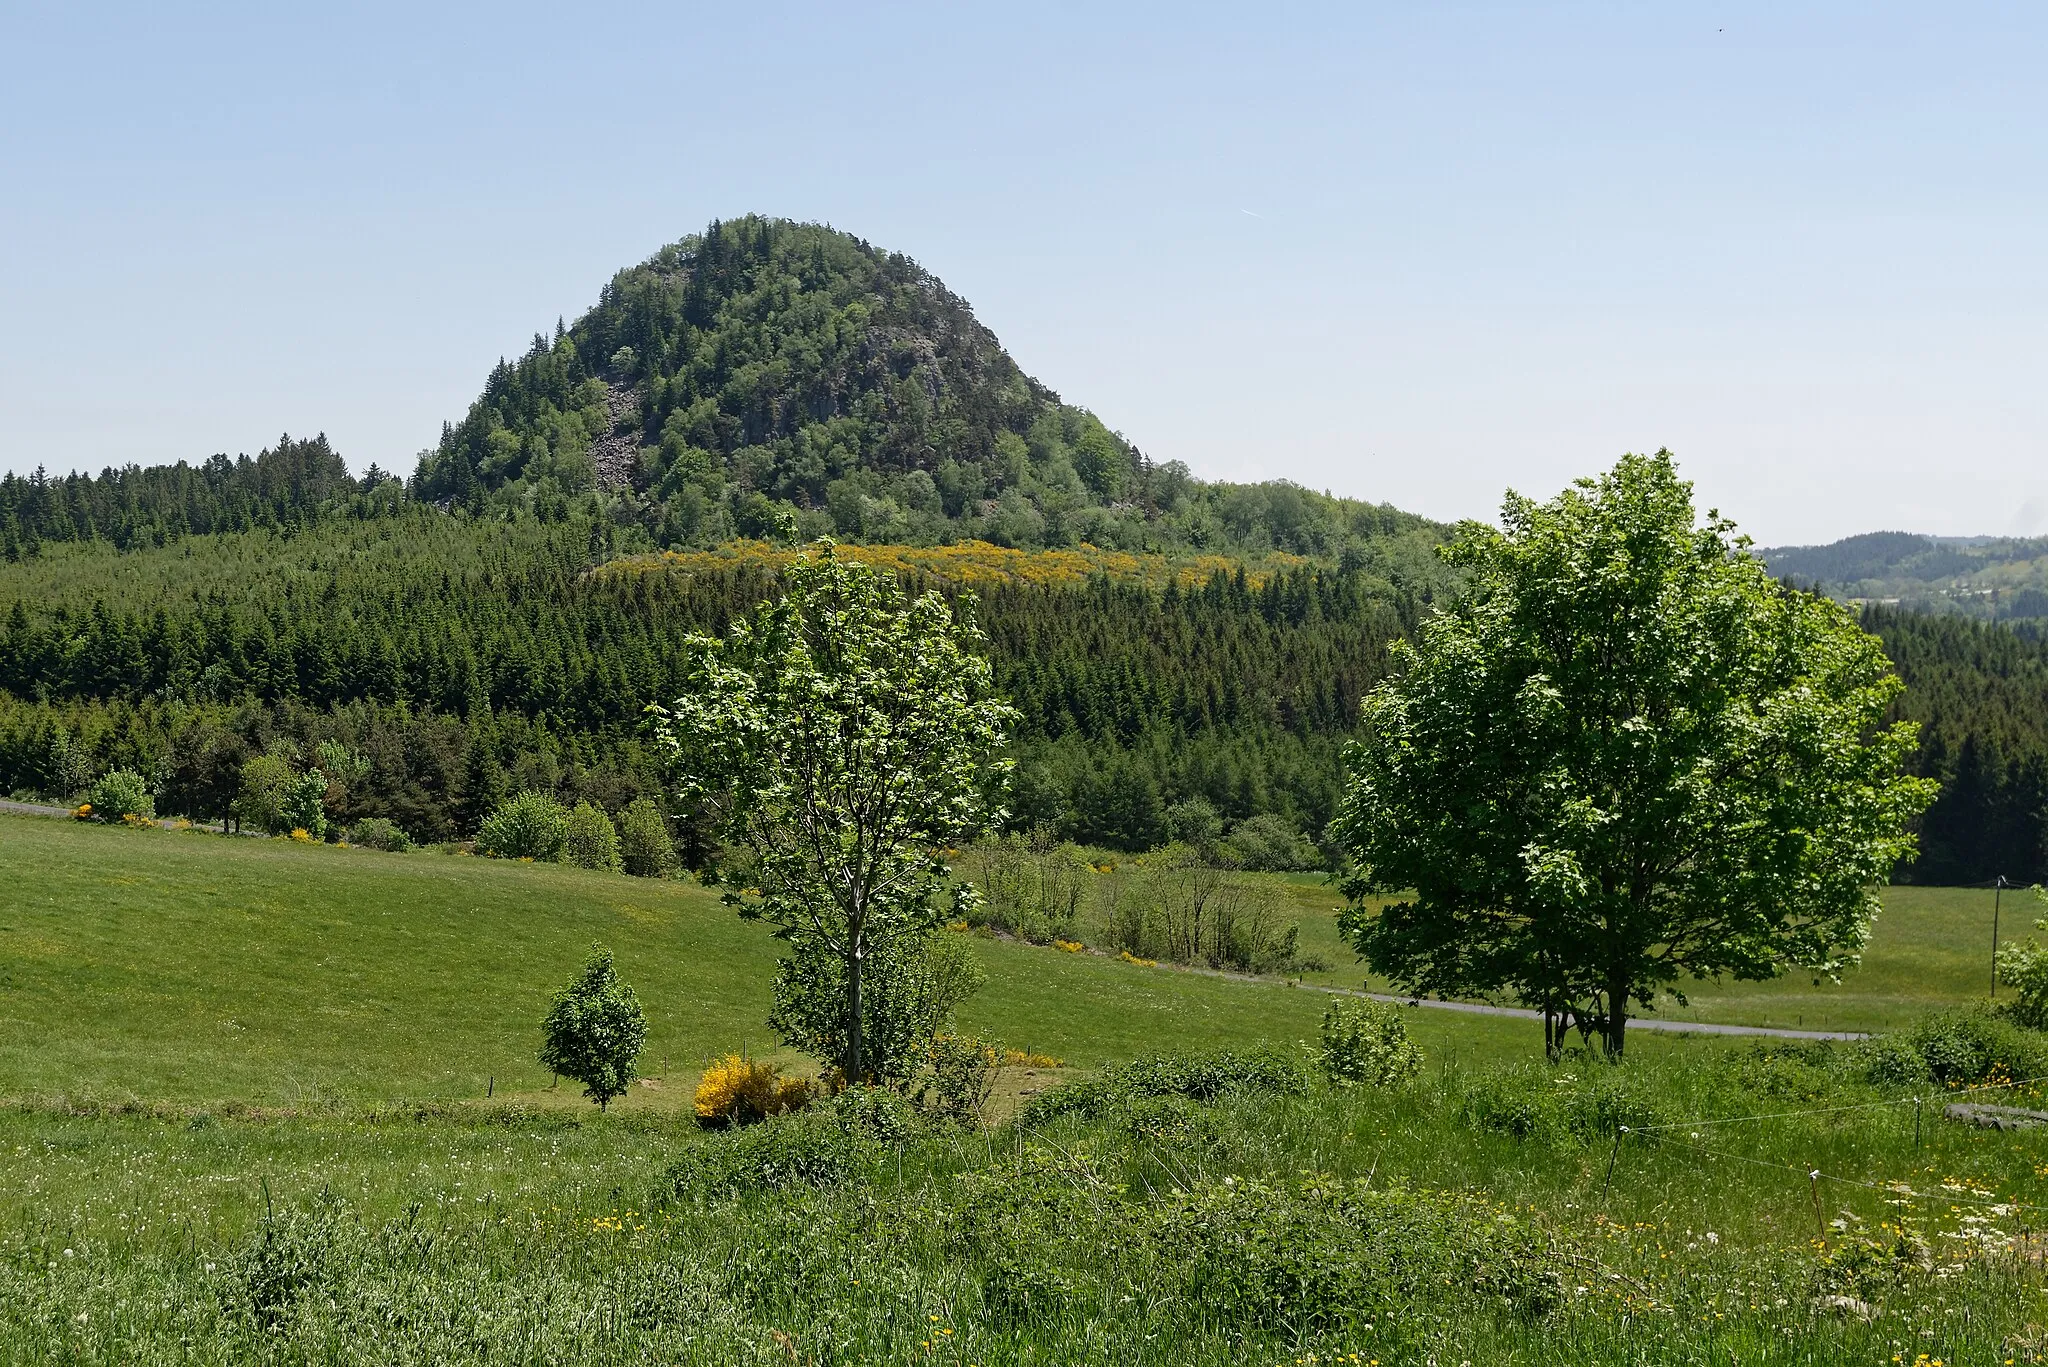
<point x="1634" y="1023"/>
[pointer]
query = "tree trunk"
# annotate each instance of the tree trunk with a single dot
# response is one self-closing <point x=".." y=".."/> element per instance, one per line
<point x="1617" y="1016"/>
<point x="855" y="962"/>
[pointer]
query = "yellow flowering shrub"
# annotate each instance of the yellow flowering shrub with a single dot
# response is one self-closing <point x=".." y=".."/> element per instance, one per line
<point x="1069" y="946"/>
<point x="1024" y="1058"/>
<point x="736" y="1090"/>
<point x="1131" y="958"/>
<point x="979" y="564"/>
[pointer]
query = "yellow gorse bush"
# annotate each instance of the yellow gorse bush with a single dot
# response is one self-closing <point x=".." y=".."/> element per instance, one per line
<point x="980" y="564"/>
<point x="735" y="1090"/>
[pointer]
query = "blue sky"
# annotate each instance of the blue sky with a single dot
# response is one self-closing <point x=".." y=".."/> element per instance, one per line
<point x="1414" y="253"/>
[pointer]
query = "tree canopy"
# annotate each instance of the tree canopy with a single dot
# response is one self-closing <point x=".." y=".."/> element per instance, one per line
<point x="1626" y="757"/>
<point x="839" y="739"/>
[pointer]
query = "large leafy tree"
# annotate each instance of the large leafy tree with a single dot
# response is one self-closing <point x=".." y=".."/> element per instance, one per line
<point x="837" y="740"/>
<point x="1624" y="759"/>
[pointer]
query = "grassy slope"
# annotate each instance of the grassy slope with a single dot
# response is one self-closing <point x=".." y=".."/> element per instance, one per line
<point x="1930" y="947"/>
<point x="189" y="968"/>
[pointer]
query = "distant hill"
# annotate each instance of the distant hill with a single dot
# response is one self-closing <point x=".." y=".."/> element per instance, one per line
<point x="765" y="372"/>
<point x="1997" y="578"/>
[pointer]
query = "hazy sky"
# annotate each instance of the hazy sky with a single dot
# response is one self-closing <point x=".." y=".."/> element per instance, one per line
<point x="1414" y="253"/>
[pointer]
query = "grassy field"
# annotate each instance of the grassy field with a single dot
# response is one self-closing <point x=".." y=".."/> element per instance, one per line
<point x="246" y="1122"/>
<point x="187" y="968"/>
<point x="1930" y="947"/>
<point x="182" y="967"/>
<point x="1478" y="1216"/>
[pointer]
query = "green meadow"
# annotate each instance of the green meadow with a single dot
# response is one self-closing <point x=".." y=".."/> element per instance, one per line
<point x="276" y="1102"/>
<point x="181" y="967"/>
<point x="1929" y="947"/>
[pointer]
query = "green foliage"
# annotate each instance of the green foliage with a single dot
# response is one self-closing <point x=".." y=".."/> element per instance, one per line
<point x="1626" y="756"/>
<point x="837" y="740"/>
<point x="1366" y="1044"/>
<point x="291" y="483"/>
<point x="1965" y="1046"/>
<point x="302" y="806"/>
<point x="1177" y="905"/>
<point x="379" y="833"/>
<point x="121" y="793"/>
<point x="1269" y="843"/>
<point x="589" y="841"/>
<point x="645" y="850"/>
<point x="1583" y="1104"/>
<point x="2023" y="965"/>
<point x="878" y="1115"/>
<point x="594" y="1030"/>
<point x="1198" y="1077"/>
<point x="959" y="1075"/>
<point x="532" y="825"/>
<point x="805" y="1151"/>
<point x="1976" y="690"/>
<point x="267" y="786"/>
<point x="464" y="659"/>
<point x="1030" y="886"/>
<point x="1262" y="1229"/>
<point x="909" y="991"/>
<point x="766" y="374"/>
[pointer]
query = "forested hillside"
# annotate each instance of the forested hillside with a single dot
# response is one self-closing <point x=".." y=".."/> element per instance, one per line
<point x="467" y="658"/>
<point x="1980" y="693"/>
<point x="764" y="372"/>
<point x="1999" y="578"/>
<point x="502" y="620"/>
<point x="291" y="484"/>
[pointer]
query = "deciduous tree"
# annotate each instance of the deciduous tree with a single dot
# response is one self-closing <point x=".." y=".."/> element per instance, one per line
<point x="839" y="739"/>
<point x="1625" y="758"/>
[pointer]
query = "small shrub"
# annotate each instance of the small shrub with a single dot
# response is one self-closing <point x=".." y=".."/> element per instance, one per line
<point x="1173" y="1121"/>
<point x="958" y="1077"/>
<point x="1890" y="1061"/>
<point x="1198" y="1077"/>
<point x="379" y="833"/>
<point x="1973" y="1046"/>
<point x="264" y="787"/>
<point x="589" y="840"/>
<point x="1270" y="843"/>
<point x="736" y="1090"/>
<point x="289" y="1256"/>
<point x="121" y="793"/>
<point x="1558" y="1107"/>
<point x="2024" y="967"/>
<point x="1779" y="1071"/>
<point x="594" y="1030"/>
<point x="793" y="1152"/>
<point x="877" y="1114"/>
<point x="531" y="825"/>
<point x="645" y="849"/>
<point x="304" y="805"/>
<point x="1366" y="1044"/>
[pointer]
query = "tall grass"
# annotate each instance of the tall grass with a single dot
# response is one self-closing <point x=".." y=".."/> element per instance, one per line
<point x="1496" y="1215"/>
